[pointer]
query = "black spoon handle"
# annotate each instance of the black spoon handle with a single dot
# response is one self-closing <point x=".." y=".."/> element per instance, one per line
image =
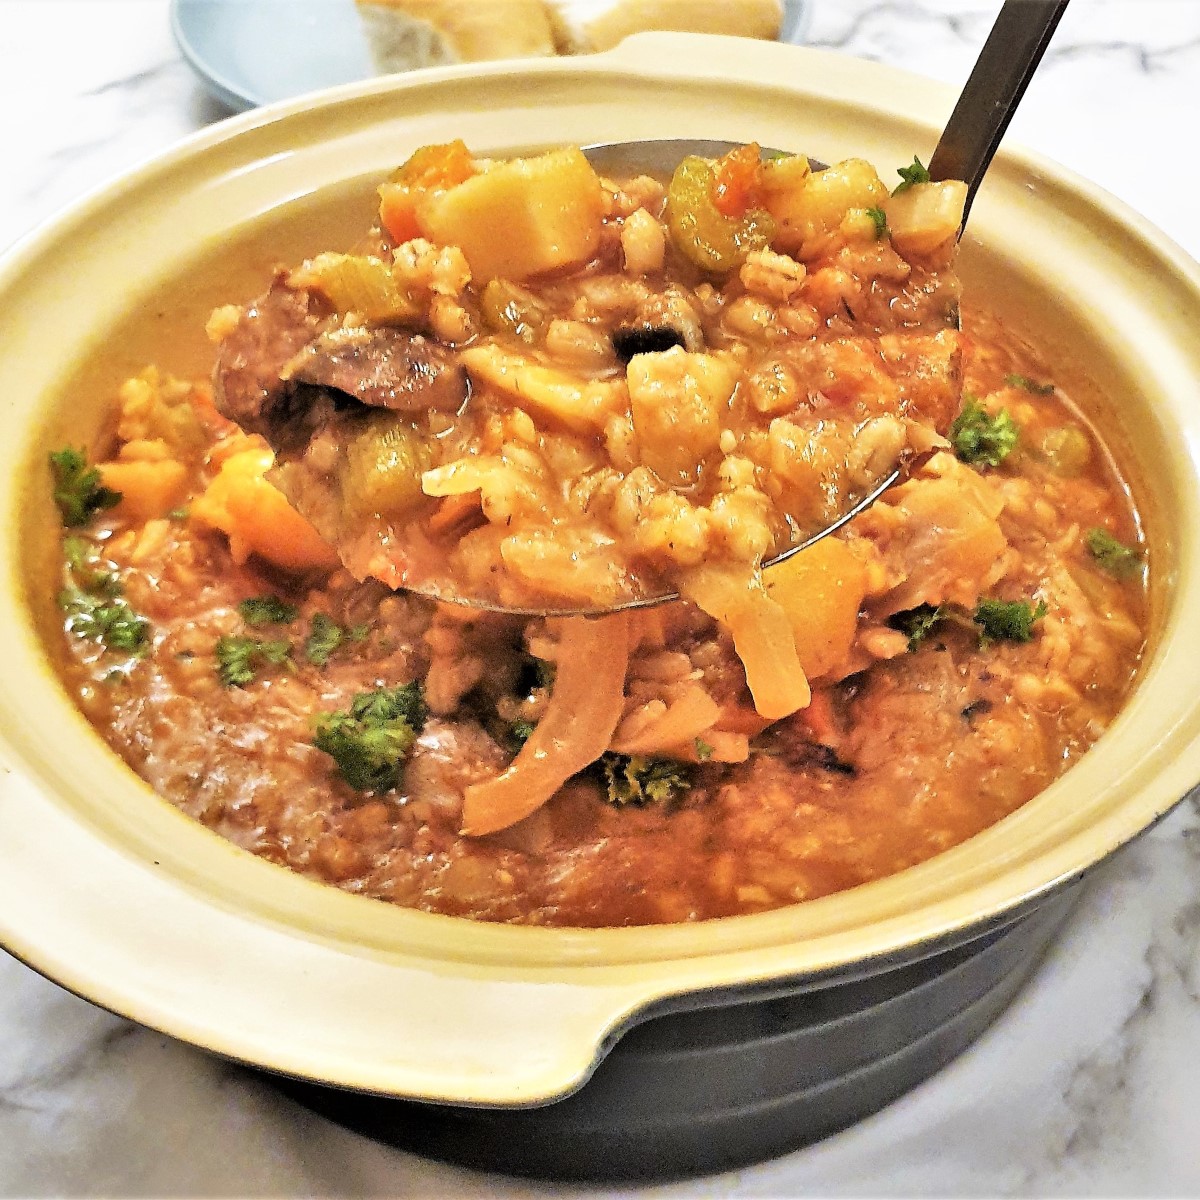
<point x="995" y="86"/>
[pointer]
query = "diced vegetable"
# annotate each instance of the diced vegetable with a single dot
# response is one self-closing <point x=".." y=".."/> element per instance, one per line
<point x="359" y="283"/>
<point x="257" y="518"/>
<point x="761" y="631"/>
<point x="581" y="405"/>
<point x="520" y="218"/>
<point x="736" y="180"/>
<point x="585" y="704"/>
<point x="925" y="216"/>
<point x="147" y="488"/>
<point x="1065" y="449"/>
<point x="381" y="470"/>
<point x="806" y="213"/>
<point x="1030" y="385"/>
<point x="430" y="169"/>
<point x="683" y="720"/>
<point x="79" y="491"/>
<point x="821" y="589"/>
<point x="507" y="307"/>
<point x="700" y="231"/>
<point x="679" y="402"/>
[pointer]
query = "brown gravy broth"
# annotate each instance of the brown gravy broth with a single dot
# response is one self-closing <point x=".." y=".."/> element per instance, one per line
<point x="896" y="760"/>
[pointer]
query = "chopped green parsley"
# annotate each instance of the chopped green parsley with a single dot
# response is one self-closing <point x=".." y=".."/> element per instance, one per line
<point x="880" y="218"/>
<point x="267" y="610"/>
<point x="1030" y="385"/>
<point x="1113" y="556"/>
<point x="239" y="659"/>
<point x="1007" y="620"/>
<point x="917" y="172"/>
<point x="78" y="491"/>
<point x="372" y="738"/>
<point x="980" y="438"/>
<point x="634" y="779"/>
<point x="109" y="621"/>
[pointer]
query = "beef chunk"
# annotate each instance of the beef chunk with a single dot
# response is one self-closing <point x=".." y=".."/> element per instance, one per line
<point x="382" y="367"/>
<point x="271" y="332"/>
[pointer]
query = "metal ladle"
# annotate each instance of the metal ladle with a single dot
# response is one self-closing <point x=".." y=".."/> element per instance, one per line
<point x="985" y="107"/>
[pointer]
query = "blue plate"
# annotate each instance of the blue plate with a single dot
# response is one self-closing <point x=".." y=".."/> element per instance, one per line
<point x="251" y="52"/>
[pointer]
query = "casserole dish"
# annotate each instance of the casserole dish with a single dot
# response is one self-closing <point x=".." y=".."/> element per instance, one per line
<point x="127" y="902"/>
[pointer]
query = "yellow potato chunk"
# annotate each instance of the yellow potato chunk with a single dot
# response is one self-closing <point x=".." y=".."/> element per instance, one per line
<point x="520" y="218"/>
<point x="679" y="401"/>
<point x="581" y="405"/>
<point x="816" y="203"/>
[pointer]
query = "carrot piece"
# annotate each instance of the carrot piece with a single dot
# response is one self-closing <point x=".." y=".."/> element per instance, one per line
<point x="257" y="517"/>
<point x="736" y="180"/>
<point x="586" y="702"/>
<point x="761" y="631"/>
<point x="819" y="716"/>
<point x="429" y="169"/>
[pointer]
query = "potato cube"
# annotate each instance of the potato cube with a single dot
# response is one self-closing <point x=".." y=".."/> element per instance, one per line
<point x="520" y="218"/>
<point x="679" y="402"/>
<point x="810" y="211"/>
<point x="926" y="216"/>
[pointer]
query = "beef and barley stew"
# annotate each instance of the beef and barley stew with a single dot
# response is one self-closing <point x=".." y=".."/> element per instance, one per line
<point x="534" y="386"/>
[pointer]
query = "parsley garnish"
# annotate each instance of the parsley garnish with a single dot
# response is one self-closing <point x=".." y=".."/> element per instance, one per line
<point x="1007" y="620"/>
<point x="325" y="635"/>
<point x="267" y="610"/>
<point x="980" y="438"/>
<point x="370" y="740"/>
<point x="880" y="218"/>
<point x="1115" y="557"/>
<point x="239" y="659"/>
<point x="112" y="623"/>
<point x="918" y="622"/>
<point x="78" y="491"/>
<point x="916" y="173"/>
<point x="634" y="779"/>
<point x="519" y="732"/>
<point x="1030" y="385"/>
<point x="703" y="750"/>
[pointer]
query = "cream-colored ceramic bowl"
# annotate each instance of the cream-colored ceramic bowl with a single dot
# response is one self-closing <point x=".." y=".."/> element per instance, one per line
<point x="119" y="897"/>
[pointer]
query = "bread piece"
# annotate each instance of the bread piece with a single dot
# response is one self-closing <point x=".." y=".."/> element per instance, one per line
<point x="585" y="26"/>
<point x="405" y="34"/>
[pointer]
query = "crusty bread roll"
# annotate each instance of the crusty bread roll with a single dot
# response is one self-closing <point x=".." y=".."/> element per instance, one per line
<point x="404" y="34"/>
<point x="584" y="26"/>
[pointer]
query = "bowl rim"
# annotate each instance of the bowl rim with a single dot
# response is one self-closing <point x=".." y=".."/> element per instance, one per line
<point x="584" y="984"/>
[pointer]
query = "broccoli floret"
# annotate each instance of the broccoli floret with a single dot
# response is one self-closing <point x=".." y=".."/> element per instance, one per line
<point x="370" y="741"/>
<point x="634" y="779"/>
<point x="981" y="439"/>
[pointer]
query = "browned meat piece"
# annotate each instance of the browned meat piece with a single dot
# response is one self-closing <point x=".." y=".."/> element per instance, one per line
<point x="383" y="367"/>
<point x="270" y="333"/>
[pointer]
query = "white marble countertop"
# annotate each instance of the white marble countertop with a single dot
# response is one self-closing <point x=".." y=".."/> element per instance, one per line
<point x="1088" y="1085"/>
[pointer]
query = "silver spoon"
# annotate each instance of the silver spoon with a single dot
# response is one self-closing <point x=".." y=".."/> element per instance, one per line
<point x="985" y="107"/>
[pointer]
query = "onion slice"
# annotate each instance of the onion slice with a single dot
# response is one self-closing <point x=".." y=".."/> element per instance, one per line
<point x="586" y="703"/>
